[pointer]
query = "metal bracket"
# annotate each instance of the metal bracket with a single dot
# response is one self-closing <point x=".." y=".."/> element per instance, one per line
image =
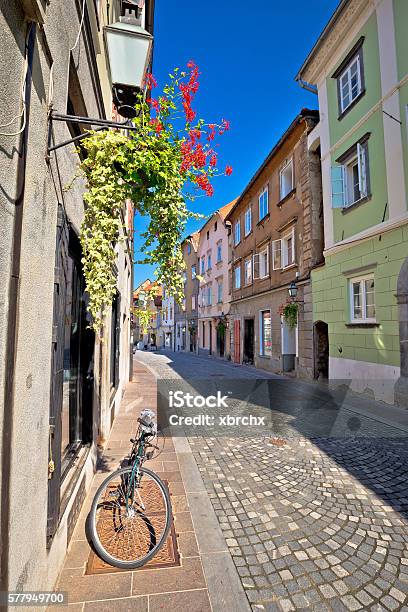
<point x="103" y="124"/>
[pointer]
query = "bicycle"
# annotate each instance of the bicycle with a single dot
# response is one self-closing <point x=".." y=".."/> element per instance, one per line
<point x="130" y="515"/>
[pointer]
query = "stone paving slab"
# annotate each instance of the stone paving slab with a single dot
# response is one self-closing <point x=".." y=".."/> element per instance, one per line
<point x="146" y="590"/>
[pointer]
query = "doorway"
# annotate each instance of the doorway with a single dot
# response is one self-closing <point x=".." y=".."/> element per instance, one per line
<point x="321" y="350"/>
<point x="237" y="340"/>
<point x="249" y="340"/>
<point x="210" y="333"/>
<point x="221" y="339"/>
<point x="289" y="344"/>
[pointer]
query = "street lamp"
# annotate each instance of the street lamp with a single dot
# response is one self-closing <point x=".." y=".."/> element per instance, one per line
<point x="293" y="290"/>
<point x="128" y="49"/>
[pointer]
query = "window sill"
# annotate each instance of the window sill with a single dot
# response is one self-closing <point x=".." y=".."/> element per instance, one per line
<point x="248" y="234"/>
<point x="293" y="265"/>
<point x="264" y="356"/>
<point x="362" y="324"/>
<point x="263" y="218"/>
<point x="286" y="197"/>
<point x="354" y="205"/>
<point x="352" y="105"/>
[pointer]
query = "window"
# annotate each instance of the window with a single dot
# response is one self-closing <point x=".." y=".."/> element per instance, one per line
<point x="202" y="265"/>
<point x="350" y="82"/>
<point x="350" y="179"/>
<point x="288" y="249"/>
<point x="283" y="251"/>
<point x="215" y="226"/>
<point x="265" y="333"/>
<point x="362" y="298"/>
<point x="184" y="277"/>
<point x="263" y="204"/>
<point x="209" y="295"/>
<point x="248" y="271"/>
<point x="277" y="254"/>
<point x="219" y="252"/>
<point x="193" y="302"/>
<point x="263" y="263"/>
<point x="237" y="277"/>
<point x="237" y="233"/>
<point x="193" y="272"/>
<point x="248" y="221"/>
<point x="219" y="292"/>
<point x="208" y="235"/>
<point x="286" y="179"/>
<point x="188" y="249"/>
<point x="209" y="261"/>
<point x="183" y="305"/>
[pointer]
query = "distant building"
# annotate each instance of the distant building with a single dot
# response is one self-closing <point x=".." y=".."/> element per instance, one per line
<point x="187" y="317"/>
<point x="213" y="300"/>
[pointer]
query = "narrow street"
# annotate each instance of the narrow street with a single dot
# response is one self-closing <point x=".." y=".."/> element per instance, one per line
<point x="318" y="523"/>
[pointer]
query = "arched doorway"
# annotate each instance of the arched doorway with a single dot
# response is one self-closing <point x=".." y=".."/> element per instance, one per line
<point x="401" y="387"/>
<point x="321" y="350"/>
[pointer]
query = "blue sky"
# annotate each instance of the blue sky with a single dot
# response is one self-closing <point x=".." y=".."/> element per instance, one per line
<point x="248" y="59"/>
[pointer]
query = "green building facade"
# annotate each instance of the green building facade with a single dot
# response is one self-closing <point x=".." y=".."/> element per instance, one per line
<point x="359" y="66"/>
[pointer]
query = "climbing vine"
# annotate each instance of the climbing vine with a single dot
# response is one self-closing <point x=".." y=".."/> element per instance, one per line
<point x="167" y="161"/>
<point x="289" y="312"/>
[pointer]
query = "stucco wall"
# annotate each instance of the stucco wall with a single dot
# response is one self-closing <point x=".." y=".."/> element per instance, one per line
<point x="30" y="564"/>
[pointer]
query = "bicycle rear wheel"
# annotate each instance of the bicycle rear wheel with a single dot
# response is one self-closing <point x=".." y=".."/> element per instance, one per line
<point x="128" y="537"/>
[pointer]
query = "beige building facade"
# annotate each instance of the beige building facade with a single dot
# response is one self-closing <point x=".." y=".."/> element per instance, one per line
<point x="214" y="299"/>
<point x="276" y="239"/>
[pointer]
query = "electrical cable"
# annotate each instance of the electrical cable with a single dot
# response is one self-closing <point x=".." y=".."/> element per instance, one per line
<point x="22" y="96"/>
<point x="80" y="26"/>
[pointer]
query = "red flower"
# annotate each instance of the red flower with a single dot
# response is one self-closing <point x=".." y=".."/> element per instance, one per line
<point x="226" y="125"/>
<point x="213" y="160"/>
<point x="157" y="125"/>
<point x="228" y="170"/>
<point x="153" y="103"/>
<point x="150" y="80"/>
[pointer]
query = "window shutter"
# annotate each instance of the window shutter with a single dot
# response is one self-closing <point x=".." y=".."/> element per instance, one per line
<point x="362" y="170"/>
<point x="255" y="266"/>
<point x="266" y="271"/>
<point x="61" y="281"/>
<point x="277" y="254"/>
<point x="338" y="186"/>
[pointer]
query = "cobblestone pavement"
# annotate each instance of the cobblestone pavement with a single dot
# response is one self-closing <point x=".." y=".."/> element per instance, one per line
<point x="311" y="523"/>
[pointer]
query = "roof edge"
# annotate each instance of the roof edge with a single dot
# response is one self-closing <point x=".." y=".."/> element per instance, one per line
<point x="304" y="114"/>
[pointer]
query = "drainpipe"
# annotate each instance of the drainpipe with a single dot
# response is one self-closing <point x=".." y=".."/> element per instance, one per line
<point x="307" y="86"/>
<point x="12" y="320"/>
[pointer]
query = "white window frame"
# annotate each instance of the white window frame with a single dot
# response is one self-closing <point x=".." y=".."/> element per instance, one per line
<point x="285" y="250"/>
<point x="277" y="254"/>
<point x="209" y="295"/>
<point x="248" y="267"/>
<point x="261" y="334"/>
<point x="237" y="276"/>
<point x="342" y="187"/>
<point x="237" y="232"/>
<point x="288" y="164"/>
<point x="264" y="192"/>
<point x="219" y="252"/>
<point x="209" y="261"/>
<point x="347" y="73"/>
<point x="193" y="271"/>
<point x="248" y="221"/>
<point x="264" y="271"/>
<point x="193" y="302"/>
<point x="362" y="281"/>
<point x="219" y="291"/>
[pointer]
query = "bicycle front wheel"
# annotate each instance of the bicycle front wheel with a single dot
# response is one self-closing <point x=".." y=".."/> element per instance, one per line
<point x="129" y="525"/>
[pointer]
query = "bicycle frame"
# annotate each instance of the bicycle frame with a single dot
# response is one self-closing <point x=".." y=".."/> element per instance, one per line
<point x="135" y="468"/>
